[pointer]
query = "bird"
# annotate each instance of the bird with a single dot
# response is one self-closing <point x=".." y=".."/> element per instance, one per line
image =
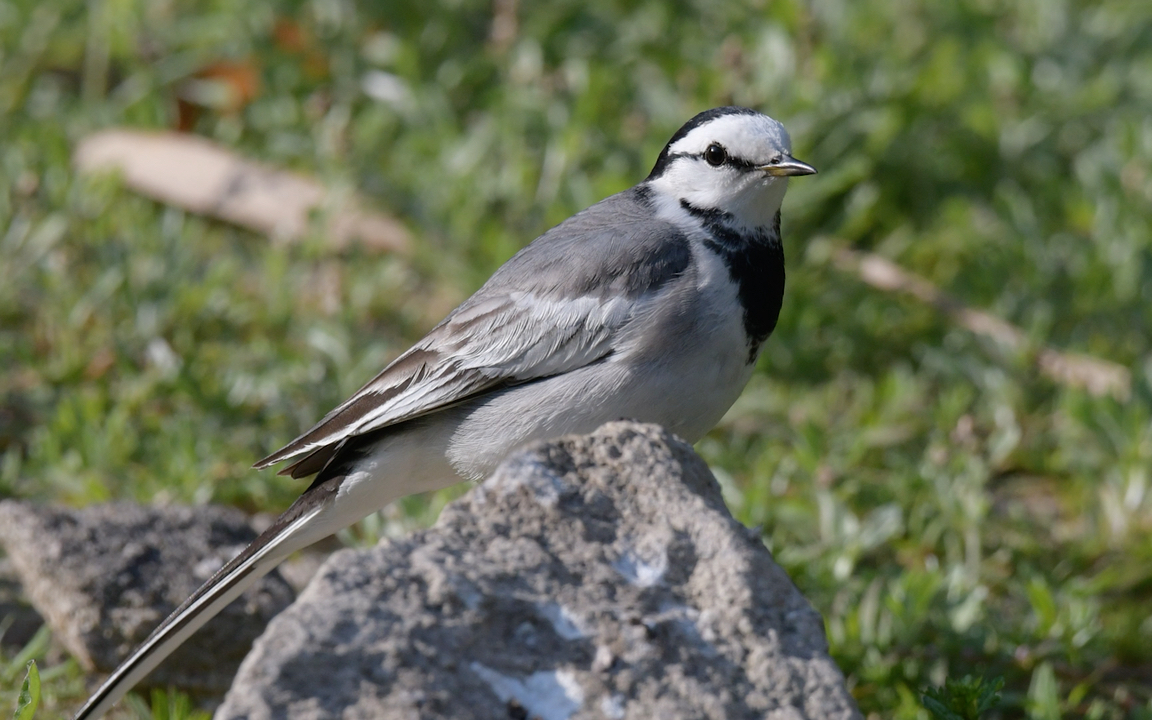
<point x="652" y="304"/>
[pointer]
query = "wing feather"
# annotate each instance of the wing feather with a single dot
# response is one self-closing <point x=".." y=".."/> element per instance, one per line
<point x="558" y="305"/>
<point x="515" y="339"/>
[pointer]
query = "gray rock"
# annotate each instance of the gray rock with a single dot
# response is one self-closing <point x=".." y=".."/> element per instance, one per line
<point x="589" y="577"/>
<point x="18" y="621"/>
<point x="105" y="576"/>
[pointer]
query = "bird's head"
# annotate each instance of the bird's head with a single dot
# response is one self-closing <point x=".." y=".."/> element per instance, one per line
<point x="729" y="159"/>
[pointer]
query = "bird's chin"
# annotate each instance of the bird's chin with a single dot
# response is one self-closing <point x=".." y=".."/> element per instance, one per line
<point x="758" y="204"/>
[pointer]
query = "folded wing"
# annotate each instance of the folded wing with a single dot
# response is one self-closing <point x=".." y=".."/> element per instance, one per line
<point x="546" y="312"/>
<point x="487" y="343"/>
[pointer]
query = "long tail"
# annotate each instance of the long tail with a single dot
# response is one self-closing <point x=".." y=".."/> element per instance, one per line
<point x="305" y="522"/>
<point x="362" y="476"/>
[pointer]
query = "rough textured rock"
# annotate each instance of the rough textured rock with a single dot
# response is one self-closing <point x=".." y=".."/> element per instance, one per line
<point x="105" y="576"/>
<point x="589" y="577"/>
<point x="18" y="621"/>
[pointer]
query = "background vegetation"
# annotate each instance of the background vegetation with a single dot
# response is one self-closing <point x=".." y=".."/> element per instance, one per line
<point x="948" y="510"/>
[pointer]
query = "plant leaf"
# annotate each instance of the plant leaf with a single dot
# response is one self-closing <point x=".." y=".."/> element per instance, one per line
<point x="29" y="694"/>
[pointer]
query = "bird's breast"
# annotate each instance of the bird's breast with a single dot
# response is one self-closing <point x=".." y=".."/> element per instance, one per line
<point x="711" y="361"/>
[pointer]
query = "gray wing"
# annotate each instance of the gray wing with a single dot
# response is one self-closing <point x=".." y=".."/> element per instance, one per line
<point x="558" y="305"/>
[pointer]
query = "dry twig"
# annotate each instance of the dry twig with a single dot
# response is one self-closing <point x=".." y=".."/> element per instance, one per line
<point x="195" y="174"/>
<point x="1099" y="377"/>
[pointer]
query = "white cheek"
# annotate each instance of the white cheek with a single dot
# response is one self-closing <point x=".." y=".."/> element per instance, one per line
<point x="702" y="186"/>
<point x="712" y="195"/>
<point x="752" y="201"/>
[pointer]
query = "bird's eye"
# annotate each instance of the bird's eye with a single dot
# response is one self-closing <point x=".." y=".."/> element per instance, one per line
<point x="715" y="154"/>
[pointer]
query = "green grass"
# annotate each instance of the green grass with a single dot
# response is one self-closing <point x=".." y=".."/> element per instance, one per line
<point x="948" y="510"/>
<point x="965" y="699"/>
<point x="29" y="698"/>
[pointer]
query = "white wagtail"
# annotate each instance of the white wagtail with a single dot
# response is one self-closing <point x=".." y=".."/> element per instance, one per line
<point x="652" y="305"/>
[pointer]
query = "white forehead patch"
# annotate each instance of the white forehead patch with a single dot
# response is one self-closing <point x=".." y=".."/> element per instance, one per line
<point x="757" y="138"/>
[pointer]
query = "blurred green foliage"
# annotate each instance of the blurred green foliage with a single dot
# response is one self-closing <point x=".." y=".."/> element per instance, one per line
<point x="25" y="689"/>
<point x="949" y="511"/>
<point x="967" y="698"/>
<point x="168" y="705"/>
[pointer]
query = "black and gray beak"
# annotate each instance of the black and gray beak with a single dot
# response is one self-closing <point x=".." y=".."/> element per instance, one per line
<point x="787" y="166"/>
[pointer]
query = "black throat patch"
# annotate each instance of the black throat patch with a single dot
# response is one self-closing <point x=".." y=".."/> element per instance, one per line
<point x="755" y="261"/>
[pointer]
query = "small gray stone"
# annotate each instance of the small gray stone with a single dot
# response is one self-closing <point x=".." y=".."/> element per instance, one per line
<point x="105" y="576"/>
<point x="589" y="577"/>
